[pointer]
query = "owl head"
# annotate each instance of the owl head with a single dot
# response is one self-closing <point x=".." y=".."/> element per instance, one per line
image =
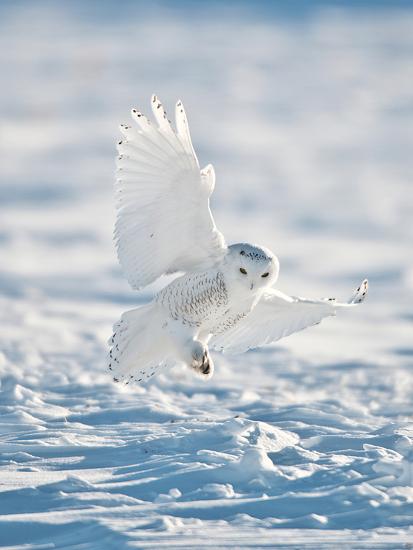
<point x="253" y="266"/>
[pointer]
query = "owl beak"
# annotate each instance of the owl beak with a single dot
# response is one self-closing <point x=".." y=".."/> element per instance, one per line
<point x="252" y="286"/>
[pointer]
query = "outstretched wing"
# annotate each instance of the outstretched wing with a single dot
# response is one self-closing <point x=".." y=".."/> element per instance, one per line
<point x="277" y="315"/>
<point x="164" y="223"/>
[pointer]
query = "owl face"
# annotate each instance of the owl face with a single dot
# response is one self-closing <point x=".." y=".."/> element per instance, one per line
<point x="252" y="266"/>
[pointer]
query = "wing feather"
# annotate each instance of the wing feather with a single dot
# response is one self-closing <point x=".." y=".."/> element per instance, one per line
<point x="164" y="223"/>
<point x="278" y="315"/>
<point x="183" y="129"/>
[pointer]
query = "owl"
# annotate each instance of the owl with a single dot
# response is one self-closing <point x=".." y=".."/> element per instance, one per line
<point x="223" y="297"/>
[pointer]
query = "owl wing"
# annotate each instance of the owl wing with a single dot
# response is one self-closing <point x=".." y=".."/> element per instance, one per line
<point x="164" y="223"/>
<point x="277" y="315"/>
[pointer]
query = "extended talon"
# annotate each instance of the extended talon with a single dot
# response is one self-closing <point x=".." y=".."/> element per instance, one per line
<point x="206" y="369"/>
<point x="201" y="361"/>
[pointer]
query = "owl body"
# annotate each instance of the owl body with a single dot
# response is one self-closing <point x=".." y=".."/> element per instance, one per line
<point x="225" y="300"/>
<point x="195" y="299"/>
<point x="209" y="301"/>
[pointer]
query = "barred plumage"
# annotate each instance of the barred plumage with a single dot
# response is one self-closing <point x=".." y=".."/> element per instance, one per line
<point x="195" y="298"/>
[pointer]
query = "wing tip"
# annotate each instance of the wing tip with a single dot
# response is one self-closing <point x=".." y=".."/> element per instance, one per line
<point x="154" y="98"/>
<point x="360" y="293"/>
<point x="207" y="169"/>
<point x="180" y="113"/>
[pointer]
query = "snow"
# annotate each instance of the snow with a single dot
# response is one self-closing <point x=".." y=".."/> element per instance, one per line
<point x="306" y="116"/>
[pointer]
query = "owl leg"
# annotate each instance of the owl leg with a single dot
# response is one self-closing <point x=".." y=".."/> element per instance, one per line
<point x="201" y="361"/>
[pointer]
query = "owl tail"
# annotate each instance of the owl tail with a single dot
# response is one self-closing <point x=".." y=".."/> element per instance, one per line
<point x="138" y="347"/>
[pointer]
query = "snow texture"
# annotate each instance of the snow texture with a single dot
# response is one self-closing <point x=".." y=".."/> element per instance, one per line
<point x="304" y="444"/>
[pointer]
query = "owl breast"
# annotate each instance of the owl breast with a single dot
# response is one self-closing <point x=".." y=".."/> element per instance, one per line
<point x="196" y="299"/>
<point x="203" y="301"/>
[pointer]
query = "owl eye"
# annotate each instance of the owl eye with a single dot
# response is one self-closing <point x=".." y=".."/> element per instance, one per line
<point x="243" y="271"/>
<point x="265" y="274"/>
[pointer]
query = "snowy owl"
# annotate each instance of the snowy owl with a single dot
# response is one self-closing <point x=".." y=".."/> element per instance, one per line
<point x="225" y="299"/>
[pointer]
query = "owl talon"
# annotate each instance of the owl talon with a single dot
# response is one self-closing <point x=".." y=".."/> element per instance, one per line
<point x="206" y="368"/>
<point x="201" y="361"/>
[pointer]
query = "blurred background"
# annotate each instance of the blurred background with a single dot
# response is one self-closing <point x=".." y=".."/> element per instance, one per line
<point x="304" y="108"/>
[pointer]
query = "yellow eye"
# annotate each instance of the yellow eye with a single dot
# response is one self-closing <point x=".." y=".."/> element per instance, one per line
<point x="265" y="274"/>
<point x="243" y="271"/>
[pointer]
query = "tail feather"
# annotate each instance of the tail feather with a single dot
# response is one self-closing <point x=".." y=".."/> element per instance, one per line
<point x="137" y="349"/>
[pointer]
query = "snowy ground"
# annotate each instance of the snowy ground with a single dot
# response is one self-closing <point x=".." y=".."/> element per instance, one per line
<point x="307" y="117"/>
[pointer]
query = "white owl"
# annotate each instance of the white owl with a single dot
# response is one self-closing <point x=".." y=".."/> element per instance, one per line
<point x="225" y="299"/>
